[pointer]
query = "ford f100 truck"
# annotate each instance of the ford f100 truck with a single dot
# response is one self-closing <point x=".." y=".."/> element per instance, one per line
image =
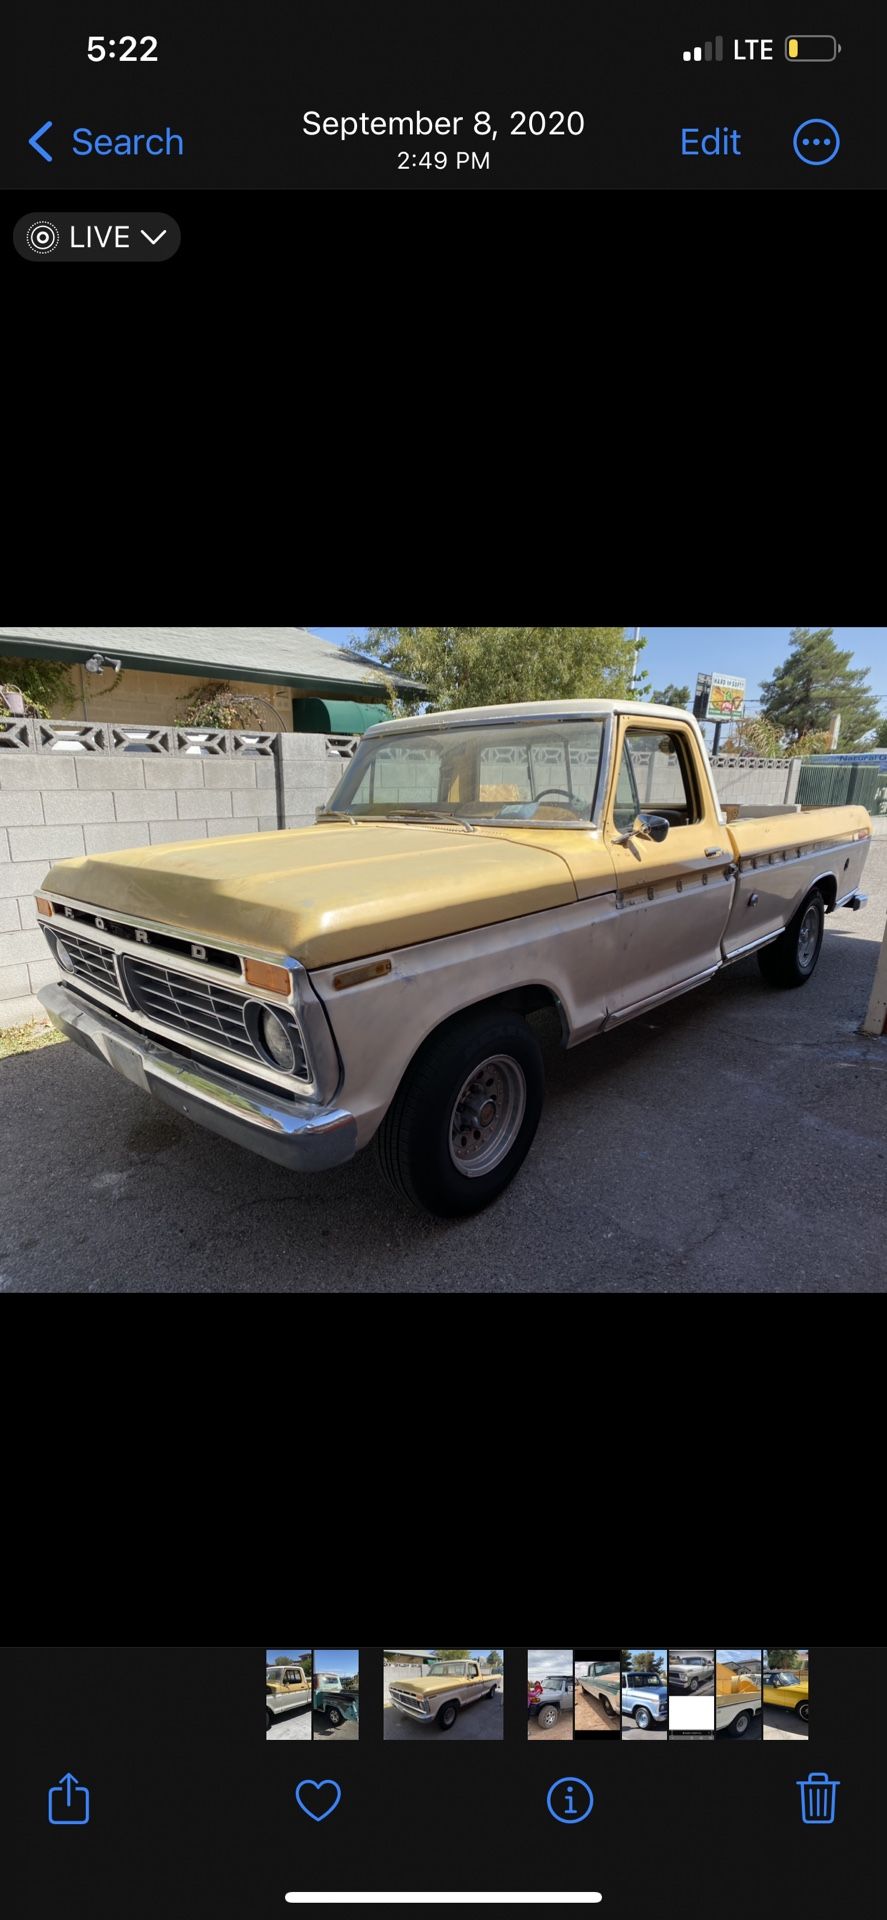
<point x="645" y="1698"/>
<point x="738" y="1700"/>
<point x="447" y="1687"/>
<point x="285" y="1688"/>
<point x="333" y="1700"/>
<point x="370" y="977"/>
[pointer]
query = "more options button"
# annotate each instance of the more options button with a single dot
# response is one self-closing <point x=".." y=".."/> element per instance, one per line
<point x="96" y="236"/>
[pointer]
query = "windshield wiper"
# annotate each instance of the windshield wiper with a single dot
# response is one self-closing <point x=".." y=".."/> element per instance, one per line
<point x="428" y="813"/>
<point x="330" y="813"/>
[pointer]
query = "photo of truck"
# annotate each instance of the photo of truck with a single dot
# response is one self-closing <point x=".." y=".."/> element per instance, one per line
<point x="738" y="1693"/>
<point x="439" y="1695"/>
<point x="598" y="1710"/>
<point x="550" y="1694"/>
<point x="288" y="1697"/>
<point x="644" y="1693"/>
<point x="336" y="1694"/>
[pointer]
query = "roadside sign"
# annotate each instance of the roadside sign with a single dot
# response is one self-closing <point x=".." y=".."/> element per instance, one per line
<point x="726" y="697"/>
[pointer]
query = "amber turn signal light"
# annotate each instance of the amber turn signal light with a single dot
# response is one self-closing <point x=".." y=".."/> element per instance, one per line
<point x="43" y="906"/>
<point x="372" y="971"/>
<point x="270" y="979"/>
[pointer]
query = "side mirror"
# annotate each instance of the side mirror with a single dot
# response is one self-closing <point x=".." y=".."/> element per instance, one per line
<point x="648" y="826"/>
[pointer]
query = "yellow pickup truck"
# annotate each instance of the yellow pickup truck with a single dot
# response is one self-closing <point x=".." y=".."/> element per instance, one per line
<point x="438" y="1698"/>
<point x="370" y="977"/>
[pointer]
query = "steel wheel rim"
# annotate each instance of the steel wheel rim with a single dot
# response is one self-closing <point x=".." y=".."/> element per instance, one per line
<point x="807" y="938"/>
<point x="487" y="1114"/>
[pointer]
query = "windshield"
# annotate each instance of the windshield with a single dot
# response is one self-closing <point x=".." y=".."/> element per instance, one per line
<point x="783" y="1679"/>
<point x="448" y="1666"/>
<point x="523" y="773"/>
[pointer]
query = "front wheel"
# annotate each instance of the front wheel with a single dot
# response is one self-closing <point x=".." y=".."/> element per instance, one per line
<point x="790" y="960"/>
<point x="803" y="1711"/>
<point x="642" y="1718"/>
<point x="464" y="1116"/>
<point x="547" y="1716"/>
<point x="693" y="1685"/>
<point x="447" y="1717"/>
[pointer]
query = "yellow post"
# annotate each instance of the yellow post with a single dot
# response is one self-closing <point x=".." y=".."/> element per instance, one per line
<point x="876" y="1019"/>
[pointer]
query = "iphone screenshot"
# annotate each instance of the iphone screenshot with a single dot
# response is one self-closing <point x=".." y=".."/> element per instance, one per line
<point x="645" y="1781"/>
<point x="137" y="129"/>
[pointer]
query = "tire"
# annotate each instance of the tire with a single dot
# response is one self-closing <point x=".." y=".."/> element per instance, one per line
<point x="423" y="1157"/>
<point x="607" y="1704"/>
<point x="335" y="1718"/>
<point x="693" y="1685"/>
<point x="740" y="1725"/>
<point x="790" y="960"/>
<point x="642" y="1718"/>
<point x="803" y="1711"/>
<point x="548" y="1716"/>
<point x="492" y="1692"/>
<point x="447" y="1717"/>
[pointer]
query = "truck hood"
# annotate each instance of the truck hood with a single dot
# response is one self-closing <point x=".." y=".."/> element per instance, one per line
<point x="327" y="893"/>
<point x="439" y="1684"/>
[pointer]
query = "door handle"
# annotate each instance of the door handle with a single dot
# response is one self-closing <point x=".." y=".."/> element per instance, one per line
<point x="711" y="853"/>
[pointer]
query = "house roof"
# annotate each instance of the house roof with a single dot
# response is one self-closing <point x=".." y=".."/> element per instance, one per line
<point x="277" y="656"/>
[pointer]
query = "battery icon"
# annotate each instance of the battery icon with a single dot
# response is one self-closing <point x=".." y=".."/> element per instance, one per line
<point x="811" y="46"/>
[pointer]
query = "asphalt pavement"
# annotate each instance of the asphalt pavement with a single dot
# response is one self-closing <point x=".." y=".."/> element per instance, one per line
<point x="291" y="1726"/>
<point x="478" y="1720"/>
<point x="732" y="1141"/>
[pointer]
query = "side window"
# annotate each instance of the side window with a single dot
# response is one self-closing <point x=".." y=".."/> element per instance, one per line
<point x="661" y="775"/>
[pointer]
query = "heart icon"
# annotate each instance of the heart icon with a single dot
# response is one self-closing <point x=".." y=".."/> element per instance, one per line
<point x="317" y="1787"/>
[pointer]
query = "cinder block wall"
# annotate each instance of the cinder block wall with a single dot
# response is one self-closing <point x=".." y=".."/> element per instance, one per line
<point x="53" y="805"/>
<point x="750" y="781"/>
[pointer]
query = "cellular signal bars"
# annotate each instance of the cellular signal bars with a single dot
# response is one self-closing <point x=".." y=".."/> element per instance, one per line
<point x="697" y="53"/>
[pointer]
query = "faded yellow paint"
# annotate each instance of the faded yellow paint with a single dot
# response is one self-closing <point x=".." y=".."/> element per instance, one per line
<point x="327" y="893"/>
<point x="815" y="825"/>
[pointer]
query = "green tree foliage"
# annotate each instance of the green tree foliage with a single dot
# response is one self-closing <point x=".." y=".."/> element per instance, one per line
<point x="815" y="681"/>
<point x="486" y="666"/>
<point x="217" y="705"/>
<point x="44" y="684"/>
<point x="451" y="1653"/>
<point x="758" y="735"/>
<point x="781" y="1656"/>
<point x="881" y="735"/>
<point x="671" y="696"/>
<point x="494" y="1661"/>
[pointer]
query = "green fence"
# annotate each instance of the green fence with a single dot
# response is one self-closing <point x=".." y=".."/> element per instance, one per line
<point x="823" y="786"/>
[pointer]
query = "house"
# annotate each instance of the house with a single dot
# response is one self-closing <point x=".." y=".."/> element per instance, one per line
<point x="146" y="675"/>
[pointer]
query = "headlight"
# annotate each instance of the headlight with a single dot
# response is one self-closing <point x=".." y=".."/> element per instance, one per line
<point x="275" y="1038"/>
<point x="63" y="956"/>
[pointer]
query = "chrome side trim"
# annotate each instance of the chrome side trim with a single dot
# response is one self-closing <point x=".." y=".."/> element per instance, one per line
<point x="308" y="1138"/>
<point x="655" y="999"/>
<point x="769" y="856"/>
<point x="751" y="946"/>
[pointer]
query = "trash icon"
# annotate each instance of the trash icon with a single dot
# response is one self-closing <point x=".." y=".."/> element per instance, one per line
<point x="818" y="1794"/>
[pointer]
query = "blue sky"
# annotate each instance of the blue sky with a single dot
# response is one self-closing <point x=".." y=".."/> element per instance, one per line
<point x="333" y="1660"/>
<point x="283" y="1653"/>
<point x="679" y="653"/>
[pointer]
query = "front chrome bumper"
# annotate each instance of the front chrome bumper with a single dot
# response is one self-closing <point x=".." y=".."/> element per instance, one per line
<point x="307" y="1138"/>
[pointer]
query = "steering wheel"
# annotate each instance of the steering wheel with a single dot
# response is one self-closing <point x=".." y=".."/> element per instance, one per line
<point x="555" y="793"/>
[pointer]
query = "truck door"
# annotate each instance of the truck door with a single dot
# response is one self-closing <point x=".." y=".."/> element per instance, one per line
<point x="675" y="894"/>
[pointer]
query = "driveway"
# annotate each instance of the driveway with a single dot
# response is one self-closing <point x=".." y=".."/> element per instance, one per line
<point x="562" y="1729"/>
<point x="591" y="1716"/>
<point x="291" y="1726"/>
<point x="480" y="1720"/>
<point x="779" y="1724"/>
<point x="730" y="1142"/>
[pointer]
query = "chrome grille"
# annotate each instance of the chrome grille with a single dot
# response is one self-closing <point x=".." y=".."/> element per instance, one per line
<point x="91" y="963"/>
<point x="203" y="1008"/>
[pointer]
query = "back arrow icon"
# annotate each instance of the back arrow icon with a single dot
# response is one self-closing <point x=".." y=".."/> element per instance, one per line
<point x="36" y="138"/>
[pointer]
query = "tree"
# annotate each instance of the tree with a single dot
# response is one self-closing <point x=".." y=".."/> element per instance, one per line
<point x="451" y="1653"/>
<point x="781" y="1656"/>
<point x="815" y="681"/>
<point x="494" y="1661"/>
<point x="671" y="696"/>
<point x="43" y="684"/>
<point x="485" y="666"/>
<point x="881" y="735"/>
<point x="758" y="735"/>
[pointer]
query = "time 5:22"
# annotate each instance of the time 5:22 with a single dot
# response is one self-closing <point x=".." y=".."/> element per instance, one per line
<point x="122" y="49"/>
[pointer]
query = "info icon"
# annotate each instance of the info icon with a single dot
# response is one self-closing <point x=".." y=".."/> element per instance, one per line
<point x="42" y="236"/>
<point x="570" y="1800"/>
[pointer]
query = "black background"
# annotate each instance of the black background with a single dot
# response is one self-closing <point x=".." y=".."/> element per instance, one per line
<point x="235" y="82"/>
<point x="193" y="1811"/>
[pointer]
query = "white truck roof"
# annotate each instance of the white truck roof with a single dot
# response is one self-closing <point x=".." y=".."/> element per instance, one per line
<point x="530" y="710"/>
